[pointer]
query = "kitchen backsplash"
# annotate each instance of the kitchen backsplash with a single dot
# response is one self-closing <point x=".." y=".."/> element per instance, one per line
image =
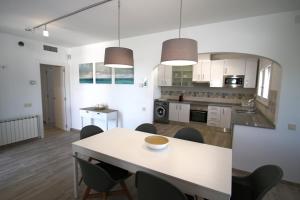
<point x="269" y="111"/>
<point x="221" y="95"/>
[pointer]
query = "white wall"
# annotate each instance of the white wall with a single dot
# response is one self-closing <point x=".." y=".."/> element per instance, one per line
<point x="22" y="64"/>
<point x="274" y="36"/>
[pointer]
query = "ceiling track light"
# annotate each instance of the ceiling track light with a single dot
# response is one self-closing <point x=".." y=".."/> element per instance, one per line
<point x="118" y="57"/>
<point x="66" y="15"/>
<point x="179" y="51"/>
<point x="45" y="32"/>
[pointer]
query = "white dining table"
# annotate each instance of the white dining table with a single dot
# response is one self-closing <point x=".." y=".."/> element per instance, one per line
<point x="198" y="169"/>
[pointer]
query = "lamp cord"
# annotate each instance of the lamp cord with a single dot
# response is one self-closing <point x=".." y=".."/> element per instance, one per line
<point x="180" y="18"/>
<point x="119" y="8"/>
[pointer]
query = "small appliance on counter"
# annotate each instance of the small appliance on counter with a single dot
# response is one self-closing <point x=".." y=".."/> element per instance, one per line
<point x="180" y="97"/>
<point x="161" y="111"/>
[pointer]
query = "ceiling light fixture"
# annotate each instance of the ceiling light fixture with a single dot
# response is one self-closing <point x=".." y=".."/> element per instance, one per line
<point x="179" y="51"/>
<point x="45" y="32"/>
<point x="65" y="16"/>
<point x="118" y="57"/>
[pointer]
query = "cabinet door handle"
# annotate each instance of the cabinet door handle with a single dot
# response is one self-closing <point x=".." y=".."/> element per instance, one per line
<point x="223" y="111"/>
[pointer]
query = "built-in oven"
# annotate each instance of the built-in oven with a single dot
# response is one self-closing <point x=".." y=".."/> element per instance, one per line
<point x="198" y="116"/>
<point x="234" y="81"/>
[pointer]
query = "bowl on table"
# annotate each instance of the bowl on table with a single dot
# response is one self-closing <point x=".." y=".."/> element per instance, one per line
<point x="156" y="142"/>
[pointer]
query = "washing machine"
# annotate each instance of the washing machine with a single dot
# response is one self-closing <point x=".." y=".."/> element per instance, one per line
<point x="161" y="111"/>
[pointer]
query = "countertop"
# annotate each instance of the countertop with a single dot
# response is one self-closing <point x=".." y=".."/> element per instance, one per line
<point x="203" y="103"/>
<point x="256" y="119"/>
<point x="96" y="109"/>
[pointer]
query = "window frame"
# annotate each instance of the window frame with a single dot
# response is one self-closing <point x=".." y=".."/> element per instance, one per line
<point x="260" y="87"/>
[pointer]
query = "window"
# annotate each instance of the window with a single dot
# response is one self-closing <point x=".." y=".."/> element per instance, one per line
<point x="264" y="78"/>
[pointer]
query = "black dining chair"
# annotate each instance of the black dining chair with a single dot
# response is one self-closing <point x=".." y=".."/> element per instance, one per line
<point x="89" y="131"/>
<point x="256" y="185"/>
<point x="146" y="127"/>
<point x="190" y="134"/>
<point x="150" y="187"/>
<point x="86" y="132"/>
<point x="102" y="178"/>
<point x="193" y="135"/>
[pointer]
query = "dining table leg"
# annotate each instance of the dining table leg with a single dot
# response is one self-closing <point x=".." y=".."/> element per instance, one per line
<point x="75" y="165"/>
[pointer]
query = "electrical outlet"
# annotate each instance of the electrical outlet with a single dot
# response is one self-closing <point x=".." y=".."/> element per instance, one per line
<point x="292" y="127"/>
<point x="27" y="105"/>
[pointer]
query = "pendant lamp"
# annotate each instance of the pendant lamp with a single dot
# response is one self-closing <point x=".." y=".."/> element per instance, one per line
<point x="179" y="51"/>
<point x="118" y="57"/>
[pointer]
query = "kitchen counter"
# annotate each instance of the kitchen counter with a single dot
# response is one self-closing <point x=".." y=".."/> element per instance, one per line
<point x="256" y="119"/>
<point x="202" y="103"/>
<point x="96" y="109"/>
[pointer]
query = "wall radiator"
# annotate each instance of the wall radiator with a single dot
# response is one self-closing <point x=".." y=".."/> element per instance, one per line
<point x="16" y="130"/>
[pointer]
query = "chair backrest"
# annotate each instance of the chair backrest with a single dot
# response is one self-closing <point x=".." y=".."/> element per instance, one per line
<point x="150" y="187"/>
<point x="89" y="131"/>
<point x="190" y="134"/>
<point x="146" y="127"/>
<point x="95" y="177"/>
<point x="264" y="178"/>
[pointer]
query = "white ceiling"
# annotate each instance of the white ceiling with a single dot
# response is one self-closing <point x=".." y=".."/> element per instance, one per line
<point x="138" y="17"/>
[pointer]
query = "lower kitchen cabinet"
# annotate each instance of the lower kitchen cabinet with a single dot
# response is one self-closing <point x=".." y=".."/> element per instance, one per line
<point x="219" y="116"/>
<point x="104" y="119"/>
<point x="179" y="112"/>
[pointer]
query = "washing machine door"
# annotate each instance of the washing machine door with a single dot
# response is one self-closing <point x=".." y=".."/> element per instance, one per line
<point x="160" y="112"/>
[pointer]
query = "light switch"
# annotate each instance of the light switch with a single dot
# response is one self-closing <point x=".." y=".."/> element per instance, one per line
<point x="292" y="127"/>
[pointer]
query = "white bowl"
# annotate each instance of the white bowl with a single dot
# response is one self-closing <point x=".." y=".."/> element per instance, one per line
<point x="156" y="142"/>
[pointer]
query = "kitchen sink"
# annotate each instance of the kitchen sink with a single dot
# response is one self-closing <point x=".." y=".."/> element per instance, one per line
<point x="245" y="111"/>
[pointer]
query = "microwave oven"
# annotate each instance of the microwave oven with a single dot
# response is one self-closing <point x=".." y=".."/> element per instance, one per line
<point x="234" y="81"/>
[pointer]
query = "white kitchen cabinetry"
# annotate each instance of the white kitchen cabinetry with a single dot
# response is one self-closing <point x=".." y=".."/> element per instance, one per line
<point x="179" y="112"/>
<point x="217" y="72"/>
<point x="164" y="75"/>
<point x="250" y="73"/>
<point x="219" y="116"/>
<point x="101" y="118"/>
<point x="234" y="67"/>
<point x="201" y="71"/>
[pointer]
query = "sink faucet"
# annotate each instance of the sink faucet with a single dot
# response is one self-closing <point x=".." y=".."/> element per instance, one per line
<point x="251" y="103"/>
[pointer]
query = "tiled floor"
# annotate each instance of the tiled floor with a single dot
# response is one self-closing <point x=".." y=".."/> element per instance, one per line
<point x="41" y="169"/>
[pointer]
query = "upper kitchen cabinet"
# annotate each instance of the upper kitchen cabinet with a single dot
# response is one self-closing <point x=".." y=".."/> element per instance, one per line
<point x="251" y="73"/>
<point x="201" y="71"/>
<point x="217" y="71"/>
<point x="164" y="75"/>
<point x="182" y="75"/>
<point x="234" y="67"/>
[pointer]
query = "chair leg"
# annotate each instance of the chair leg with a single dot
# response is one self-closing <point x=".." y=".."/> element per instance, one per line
<point x="86" y="193"/>
<point x="123" y="184"/>
<point x="80" y="180"/>
<point x="104" y="196"/>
